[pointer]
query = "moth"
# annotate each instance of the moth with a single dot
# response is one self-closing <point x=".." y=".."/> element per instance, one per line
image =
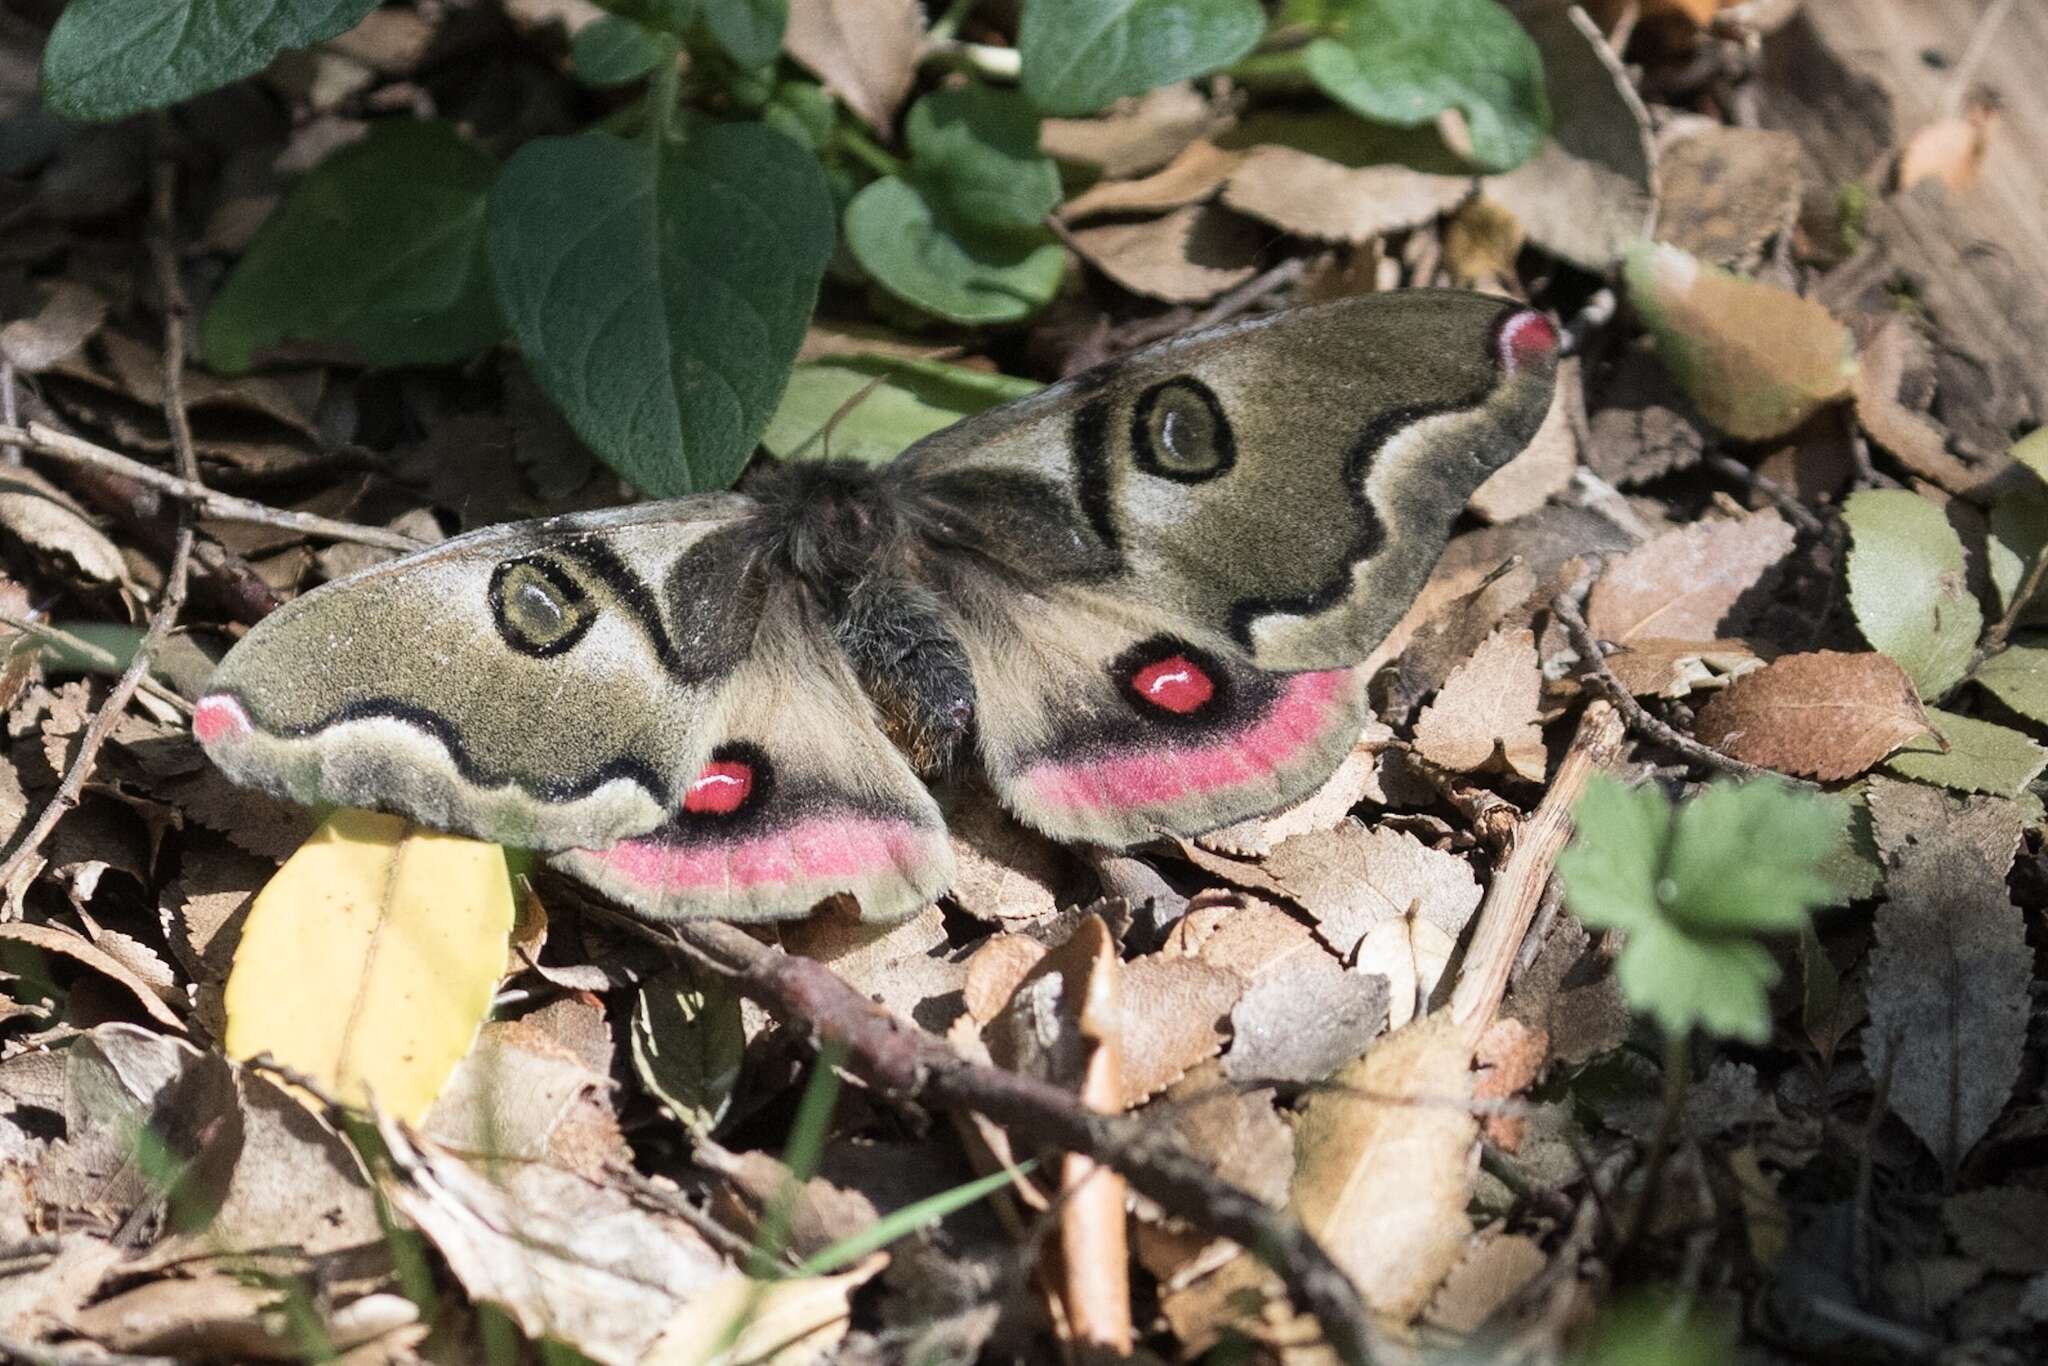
<point x="1136" y="602"/>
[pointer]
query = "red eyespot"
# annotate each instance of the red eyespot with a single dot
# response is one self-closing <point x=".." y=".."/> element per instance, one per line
<point x="218" y="717"/>
<point x="1175" y="683"/>
<point x="1527" y="339"/>
<point x="721" y="789"/>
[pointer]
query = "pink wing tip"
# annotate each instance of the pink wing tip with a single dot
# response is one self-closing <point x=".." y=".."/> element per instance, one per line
<point x="1528" y="338"/>
<point x="219" y="717"/>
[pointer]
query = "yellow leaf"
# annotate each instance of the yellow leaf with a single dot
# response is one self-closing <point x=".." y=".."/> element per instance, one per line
<point x="369" y="961"/>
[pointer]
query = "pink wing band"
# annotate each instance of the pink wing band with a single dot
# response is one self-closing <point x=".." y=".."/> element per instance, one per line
<point x="1307" y="707"/>
<point x="815" y="850"/>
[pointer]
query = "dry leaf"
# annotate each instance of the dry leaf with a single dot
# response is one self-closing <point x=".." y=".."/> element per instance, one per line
<point x="1757" y="360"/>
<point x="1913" y="437"/>
<point x="370" y="960"/>
<point x="76" y="947"/>
<point x="1950" y="150"/>
<point x="1244" y="1141"/>
<point x="1725" y="191"/>
<point x="1645" y="427"/>
<point x="1652" y="667"/>
<point x="1192" y="254"/>
<point x="1198" y="172"/>
<point x="906" y="966"/>
<point x="865" y="51"/>
<point x="1136" y="136"/>
<point x="1385" y="1169"/>
<point x="1825" y="715"/>
<point x="67" y="320"/>
<point x="2000" y="1226"/>
<point x="1411" y="954"/>
<point x="1684" y="583"/>
<point x="1544" y="467"/>
<point x="787" y="1323"/>
<point x="1485" y="716"/>
<point x="1949" y="975"/>
<point x="36" y="511"/>
<point x="1488" y="1276"/>
<point x="1313" y="185"/>
<point x="1005" y="872"/>
<point x="1591" y="188"/>
<point x="1351" y="879"/>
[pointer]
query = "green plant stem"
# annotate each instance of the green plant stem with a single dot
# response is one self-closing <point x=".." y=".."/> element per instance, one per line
<point x="1275" y="71"/>
<point x="663" y="96"/>
<point x="868" y="152"/>
<point x="1677" y="1075"/>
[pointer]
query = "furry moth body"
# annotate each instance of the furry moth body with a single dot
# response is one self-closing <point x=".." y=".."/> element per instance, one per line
<point x="1136" y="599"/>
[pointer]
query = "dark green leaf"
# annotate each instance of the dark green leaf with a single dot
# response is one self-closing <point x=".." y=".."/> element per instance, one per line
<point x="913" y="399"/>
<point x="1080" y="55"/>
<point x="660" y="295"/>
<point x="687" y="1044"/>
<point x="380" y="249"/>
<point x="2018" y="677"/>
<point x="1980" y="756"/>
<point x="1406" y="61"/>
<point x="107" y="59"/>
<point x="615" y="51"/>
<point x="975" y="151"/>
<point x="750" y="31"/>
<point x="803" y="111"/>
<point x="672" y="17"/>
<point x="952" y="270"/>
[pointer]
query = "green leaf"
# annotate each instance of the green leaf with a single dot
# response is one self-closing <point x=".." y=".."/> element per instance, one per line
<point x="975" y="151"/>
<point x="750" y="31"/>
<point x="107" y="59"/>
<point x="672" y="17"/>
<point x="2018" y="677"/>
<point x="1080" y="55"/>
<point x="687" y="1044"/>
<point x="1747" y="857"/>
<point x="803" y="112"/>
<point x="1855" y="869"/>
<point x="380" y="249"/>
<point x="914" y="399"/>
<point x="1982" y="756"/>
<point x="2031" y="450"/>
<point x="660" y="291"/>
<point x="953" y="270"/>
<point x="1907" y="587"/>
<point x="2018" y="537"/>
<point x="616" y="51"/>
<point x="1406" y="61"/>
<point x="1691" y="887"/>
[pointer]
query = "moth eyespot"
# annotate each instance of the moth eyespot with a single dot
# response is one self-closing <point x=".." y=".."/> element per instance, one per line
<point x="1164" y="675"/>
<point x="737" y="779"/>
<point x="1179" y="432"/>
<point x="539" y="609"/>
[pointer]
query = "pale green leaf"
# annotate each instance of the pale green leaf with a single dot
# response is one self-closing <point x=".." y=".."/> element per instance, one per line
<point x="2018" y="677"/>
<point x="1747" y="857"/>
<point x="659" y="293"/>
<point x="2031" y="450"/>
<point x="2018" y="537"/>
<point x="1081" y="55"/>
<point x="378" y="251"/>
<point x="750" y="31"/>
<point x="906" y="400"/>
<point x="1981" y="757"/>
<point x="1907" y="586"/>
<point x="1405" y="62"/>
<point x="107" y="59"/>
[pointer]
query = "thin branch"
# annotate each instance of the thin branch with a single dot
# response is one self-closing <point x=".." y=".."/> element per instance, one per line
<point x="1638" y="719"/>
<point x="47" y="440"/>
<point x="92" y="654"/>
<point x="1780" y="497"/>
<point x="1995" y="638"/>
<point x="904" y="1062"/>
<point x="164" y="255"/>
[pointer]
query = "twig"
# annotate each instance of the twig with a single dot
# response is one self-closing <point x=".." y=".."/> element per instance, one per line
<point x="1677" y="1074"/>
<point x="1965" y="69"/>
<point x="1995" y="638"/>
<point x="86" y="650"/>
<point x="908" y="1064"/>
<point x="1518" y="888"/>
<point x="1780" y="497"/>
<point x="175" y="580"/>
<point x="47" y="440"/>
<point x="85" y="1354"/>
<point x="1639" y="720"/>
